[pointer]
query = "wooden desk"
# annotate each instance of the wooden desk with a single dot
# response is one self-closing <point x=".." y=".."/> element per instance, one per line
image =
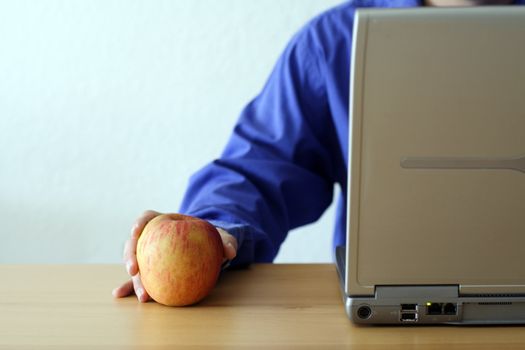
<point x="266" y="306"/>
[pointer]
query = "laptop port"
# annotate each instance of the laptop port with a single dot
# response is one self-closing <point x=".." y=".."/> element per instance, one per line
<point x="434" y="308"/>
<point x="408" y="307"/>
<point x="408" y="317"/>
<point x="364" y="312"/>
<point x="450" y="309"/>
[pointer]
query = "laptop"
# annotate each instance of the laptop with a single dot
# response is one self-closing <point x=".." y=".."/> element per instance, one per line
<point x="436" y="195"/>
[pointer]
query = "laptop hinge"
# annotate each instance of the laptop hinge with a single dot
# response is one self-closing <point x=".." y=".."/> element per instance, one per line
<point x="395" y="292"/>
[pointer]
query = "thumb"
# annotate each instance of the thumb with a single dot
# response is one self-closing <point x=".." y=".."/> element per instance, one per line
<point x="229" y="243"/>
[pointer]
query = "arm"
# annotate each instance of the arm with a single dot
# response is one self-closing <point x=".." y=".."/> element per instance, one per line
<point x="276" y="172"/>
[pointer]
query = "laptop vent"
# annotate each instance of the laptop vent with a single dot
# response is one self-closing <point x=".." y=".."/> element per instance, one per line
<point x="496" y="295"/>
<point x="496" y="303"/>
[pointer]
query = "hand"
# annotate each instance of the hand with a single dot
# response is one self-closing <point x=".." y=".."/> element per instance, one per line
<point x="130" y="257"/>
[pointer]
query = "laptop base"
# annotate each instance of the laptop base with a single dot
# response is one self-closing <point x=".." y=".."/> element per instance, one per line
<point x="429" y="304"/>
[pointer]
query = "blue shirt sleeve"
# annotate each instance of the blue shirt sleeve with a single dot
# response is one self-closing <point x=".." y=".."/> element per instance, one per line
<point x="276" y="172"/>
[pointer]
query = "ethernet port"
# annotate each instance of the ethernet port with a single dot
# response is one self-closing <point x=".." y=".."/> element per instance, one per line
<point x="450" y="309"/>
<point x="434" y="309"/>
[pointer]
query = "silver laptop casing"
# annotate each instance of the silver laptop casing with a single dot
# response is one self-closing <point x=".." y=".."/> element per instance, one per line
<point x="436" y="195"/>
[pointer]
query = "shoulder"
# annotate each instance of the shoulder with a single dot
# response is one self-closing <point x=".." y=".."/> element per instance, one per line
<point x="329" y="32"/>
<point x="329" y="24"/>
<point x="333" y="18"/>
<point x="339" y="19"/>
<point x="335" y="25"/>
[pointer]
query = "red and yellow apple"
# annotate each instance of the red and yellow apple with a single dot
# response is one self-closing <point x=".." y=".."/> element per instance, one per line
<point x="179" y="259"/>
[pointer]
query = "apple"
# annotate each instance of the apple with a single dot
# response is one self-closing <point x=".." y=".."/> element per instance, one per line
<point x="179" y="259"/>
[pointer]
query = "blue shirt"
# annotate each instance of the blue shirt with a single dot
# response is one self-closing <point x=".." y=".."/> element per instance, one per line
<point x="289" y="146"/>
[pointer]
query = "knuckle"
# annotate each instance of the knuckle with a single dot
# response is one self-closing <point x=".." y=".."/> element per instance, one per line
<point x="137" y="284"/>
<point x="148" y="213"/>
<point x="125" y="252"/>
<point x="134" y="228"/>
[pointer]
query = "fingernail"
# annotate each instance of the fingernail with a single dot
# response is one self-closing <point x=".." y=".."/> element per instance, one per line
<point x="133" y="229"/>
<point x="128" y="267"/>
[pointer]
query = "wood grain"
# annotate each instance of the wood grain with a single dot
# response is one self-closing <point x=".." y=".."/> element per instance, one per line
<point x="265" y="306"/>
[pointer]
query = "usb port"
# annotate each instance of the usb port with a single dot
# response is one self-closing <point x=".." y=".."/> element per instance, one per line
<point x="409" y="317"/>
<point x="408" y="307"/>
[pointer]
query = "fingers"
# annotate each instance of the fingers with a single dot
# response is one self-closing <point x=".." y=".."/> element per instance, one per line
<point x="133" y="285"/>
<point x="130" y="256"/>
<point x="137" y="228"/>
<point x="130" y="259"/>
<point x="229" y="243"/>
<point x="124" y="290"/>
<point x="130" y="248"/>
<point x="141" y="293"/>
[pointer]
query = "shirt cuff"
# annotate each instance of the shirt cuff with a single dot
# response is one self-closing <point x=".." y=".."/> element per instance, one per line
<point x="243" y="235"/>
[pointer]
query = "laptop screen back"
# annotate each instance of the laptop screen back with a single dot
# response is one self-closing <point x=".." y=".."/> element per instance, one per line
<point x="438" y="130"/>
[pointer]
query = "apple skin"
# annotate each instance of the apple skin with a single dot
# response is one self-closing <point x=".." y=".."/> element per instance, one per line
<point x="179" y="259"/>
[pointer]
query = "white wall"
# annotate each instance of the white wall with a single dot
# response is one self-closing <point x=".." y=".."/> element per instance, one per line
<point x="107" y="107"/>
